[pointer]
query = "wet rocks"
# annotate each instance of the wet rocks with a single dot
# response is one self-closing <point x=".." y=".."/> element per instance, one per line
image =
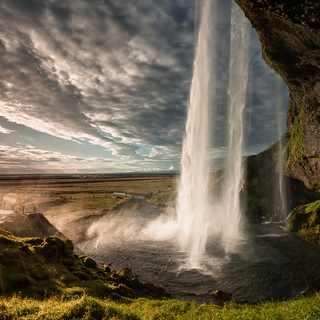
<point x="127" y="282"/>
<point x="222" y="294"/>
<point x="124" y="291"/>
<point x="154" y="290"/>
<point x="313" y="289"/>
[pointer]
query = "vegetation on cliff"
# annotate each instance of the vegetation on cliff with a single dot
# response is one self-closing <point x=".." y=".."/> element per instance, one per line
<point x="305" y="220"/>
<point x="290" y="39"/>
<point x="295" y="151"/>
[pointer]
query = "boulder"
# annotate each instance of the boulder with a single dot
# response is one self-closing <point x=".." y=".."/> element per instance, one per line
<point x="89" y="263"/>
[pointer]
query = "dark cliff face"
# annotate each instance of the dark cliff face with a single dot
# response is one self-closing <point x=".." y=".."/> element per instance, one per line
<point x="289" y="32"/>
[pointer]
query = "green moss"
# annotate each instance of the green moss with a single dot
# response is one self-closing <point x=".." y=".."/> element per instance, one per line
<point x="290" y="104"/>
<point x="300" y="92"/>
<point x="313" y="207"/>
<point x="88" y="262"/>
<point x="305" y="220"/>
<point x="69" y="278"/>
<point x="295" y="149"/>
<point x="81" y="275"/>
<point x="34" y="267"/>
<point x="296" y="219"/>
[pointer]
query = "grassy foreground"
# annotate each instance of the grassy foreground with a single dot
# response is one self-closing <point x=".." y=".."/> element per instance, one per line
<point x="44" y="279"/>
<point x="92" y="308"/>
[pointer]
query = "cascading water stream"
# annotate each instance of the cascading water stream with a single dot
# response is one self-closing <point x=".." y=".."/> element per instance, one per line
<point x="238" y="81"/>
<point x="192" y="207"/>
<point x="197" y="219"/>
<point x="279" y="105"/>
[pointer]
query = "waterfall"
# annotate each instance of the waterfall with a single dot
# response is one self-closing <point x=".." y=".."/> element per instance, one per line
<point x="192" y="206"/>
<point x="280" y="130"/>
<point x="238" y="81"/>
<point x="197" y="218"/>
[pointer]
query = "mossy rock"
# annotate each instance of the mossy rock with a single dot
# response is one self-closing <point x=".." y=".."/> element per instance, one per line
<point x="81" y="275"/>
<point x="125" y="291"/>
<point x="305" y="220"/>
<point x="297" y="218"/>
<point x="89" y="262"/>
<point x="106" y="268"/>
<point x="35" y="268"/>
<point x="69" y="278"/>
<point x="55" y="249"/>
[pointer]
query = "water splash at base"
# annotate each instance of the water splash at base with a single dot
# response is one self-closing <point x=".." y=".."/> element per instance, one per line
<point x="197" y="218"/>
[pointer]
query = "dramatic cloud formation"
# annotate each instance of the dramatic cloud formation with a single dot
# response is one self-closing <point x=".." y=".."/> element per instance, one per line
<point x="102" y="85"/>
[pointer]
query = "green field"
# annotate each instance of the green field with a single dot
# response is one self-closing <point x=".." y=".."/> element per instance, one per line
<point x="63" y="201"/>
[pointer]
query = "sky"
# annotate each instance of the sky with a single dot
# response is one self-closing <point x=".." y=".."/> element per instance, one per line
<point x="102" y="86"/>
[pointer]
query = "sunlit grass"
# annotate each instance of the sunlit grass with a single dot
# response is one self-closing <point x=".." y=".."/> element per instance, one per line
<point x="83" y="197"/>
<point x="88" y="307"/>
<point x="138" y="185"/>
<point x="86" y="203"/>
<point x="163" y="198"/>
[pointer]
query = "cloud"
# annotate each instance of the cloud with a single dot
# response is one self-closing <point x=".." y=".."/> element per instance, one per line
<point x="72" y="67"/>
<point x="5" y="131"/>
<point x="115" y="75"/>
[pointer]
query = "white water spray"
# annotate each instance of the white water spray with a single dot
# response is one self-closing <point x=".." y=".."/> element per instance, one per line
<point x="197" y="219"/>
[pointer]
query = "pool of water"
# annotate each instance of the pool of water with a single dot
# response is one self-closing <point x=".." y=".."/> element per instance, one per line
<point x="268" y="263"/>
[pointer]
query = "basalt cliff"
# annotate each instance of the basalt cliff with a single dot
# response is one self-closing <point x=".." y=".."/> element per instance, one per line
<point x="289" y="33"/>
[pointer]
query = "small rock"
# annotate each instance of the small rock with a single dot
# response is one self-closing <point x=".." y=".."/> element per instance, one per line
<point x="69" y="297"/>
<point x="222" y="294"/>
<point x="125" y="291"/>
<point x="106" y="268"/>
<point x="127" y="273"/>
